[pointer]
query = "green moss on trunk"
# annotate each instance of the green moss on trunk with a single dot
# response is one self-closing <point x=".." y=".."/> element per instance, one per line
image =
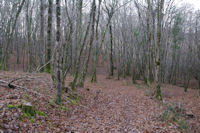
<point x="158" y="93"/>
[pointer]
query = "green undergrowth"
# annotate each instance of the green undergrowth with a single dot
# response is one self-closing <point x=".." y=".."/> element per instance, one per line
<point x="173" y="114"/>
<point x="95" y="97"/>
<point x="73" y="98"/>
<point x="28" y="112"/>
<point x="61" y="107"/>
<point x="48" y="68"/>
<point x="27" y="97"/>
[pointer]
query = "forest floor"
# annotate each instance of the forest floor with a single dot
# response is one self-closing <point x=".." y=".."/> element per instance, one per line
<point x="106" y="106"/>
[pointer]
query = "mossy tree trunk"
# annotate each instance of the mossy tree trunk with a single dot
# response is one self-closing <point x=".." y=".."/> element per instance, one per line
<point x="158" y="93"/>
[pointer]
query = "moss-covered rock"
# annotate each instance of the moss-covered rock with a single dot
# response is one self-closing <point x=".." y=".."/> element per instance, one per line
<point x="28" y="109"/>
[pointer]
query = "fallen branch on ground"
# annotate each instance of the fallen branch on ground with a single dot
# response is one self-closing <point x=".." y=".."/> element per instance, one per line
<point x="14" y="86"/>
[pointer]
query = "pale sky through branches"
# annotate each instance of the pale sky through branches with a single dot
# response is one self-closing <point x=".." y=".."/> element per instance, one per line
<point x="194" y="3"/>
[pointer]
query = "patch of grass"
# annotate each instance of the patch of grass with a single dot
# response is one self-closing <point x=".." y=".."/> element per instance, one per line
<point x="182" y="125"/>
<point x="27" y="111"/>
<point x="52" y="103"/>
<point x="48" y="68"/>
<point x="63" y="108"/>
<point x="26" y="97"/>
<point x="72" y="101"/>
<point x="11" y="106"/>
<point x="40" y="113"/>
<point x="170" y="114"/>
<point x="95" y="97"/>
<point x="32" y="120"/>
<point x="165" y="115"/>
<point x="173" y="114"/>
<point x="73" y="98"/>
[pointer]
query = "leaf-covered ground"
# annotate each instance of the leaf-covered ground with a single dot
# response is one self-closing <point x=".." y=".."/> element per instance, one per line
<point x="107" y="106"/>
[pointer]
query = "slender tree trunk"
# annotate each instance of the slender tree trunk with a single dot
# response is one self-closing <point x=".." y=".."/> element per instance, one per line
<point x="78" y="34"/>
<point x="4" y="60"/>
<point x="58" y="53"/>
<point x="29" y="33"/>
<point x="90" y="45"/>
<point x="158" y="54"/>
<point x="42" y="41"/>
<point x="111" y="72"/>
<point x="49" y="35"/>
<point x="73" y="84"/>
<point x="95" y="60"/>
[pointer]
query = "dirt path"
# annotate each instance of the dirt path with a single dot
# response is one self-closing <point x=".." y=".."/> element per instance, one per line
<point x="109" y="106"/>
<point x="119" y="108"/>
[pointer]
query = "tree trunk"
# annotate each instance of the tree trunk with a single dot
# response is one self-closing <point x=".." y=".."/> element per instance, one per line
<point x="49" y="34"/>
<point x="58" y="53"/>
<point x="158" y="54"/>
<point x="111" y="72"/>
<point x="4" y="60"/>
<point x="73" y="84"/>
<point x="29" y="34"/>
<point x="95" y="58"/>
<point x="90" y="45"/>
<point x="42" y="41"/>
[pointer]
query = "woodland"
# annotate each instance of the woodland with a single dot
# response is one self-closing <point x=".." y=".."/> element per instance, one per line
<point x="99" y="66"/>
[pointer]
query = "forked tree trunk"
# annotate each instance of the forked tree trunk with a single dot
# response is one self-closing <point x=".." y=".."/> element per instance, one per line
<point x="73" y="84"/>
<point x="82" y="80"/>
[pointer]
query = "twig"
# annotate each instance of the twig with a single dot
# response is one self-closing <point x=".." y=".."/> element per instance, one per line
<point x="39" y="68"/>
<point x="83" y="106"/>
<point x="20" y="78"/>
<point x="16" y="79"/>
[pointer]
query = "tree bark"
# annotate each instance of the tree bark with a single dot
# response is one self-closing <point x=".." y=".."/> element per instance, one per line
<point x="58" y="53"/>
<point x="90" y="45"/>
<point x="157" y="52"/>
<point x="111" y="72"/>
<point x="49" y="35"/>
<point x="4" y="60"/>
